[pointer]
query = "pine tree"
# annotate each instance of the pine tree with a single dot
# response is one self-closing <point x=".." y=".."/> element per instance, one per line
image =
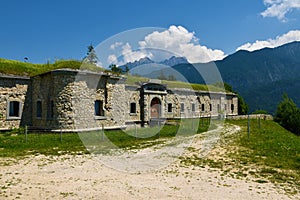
<point x="91" y="55"/>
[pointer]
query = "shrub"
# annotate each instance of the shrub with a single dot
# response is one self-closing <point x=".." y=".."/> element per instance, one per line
<point x="288" y="115"/>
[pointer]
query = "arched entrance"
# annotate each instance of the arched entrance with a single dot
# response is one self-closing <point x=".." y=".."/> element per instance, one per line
<point x="155" y="108"/>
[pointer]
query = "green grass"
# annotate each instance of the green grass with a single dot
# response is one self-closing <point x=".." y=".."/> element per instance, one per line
<point x="269" y="154"/>
<point x="132" y="80"/>
<point x="115" y="139"/>
<point x="13" y="143"/>
<point x="194" y="86"/>
<point x="271" y="145"/>
<point x="13" y="67"/>
<point x="273" y="150"/>
<point x="141" y="137"/>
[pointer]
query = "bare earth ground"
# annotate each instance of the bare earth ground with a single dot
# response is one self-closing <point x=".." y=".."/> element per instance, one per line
<point x="85" y="177"/>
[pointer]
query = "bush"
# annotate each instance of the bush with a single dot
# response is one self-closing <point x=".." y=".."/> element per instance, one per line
<point x="288" y="115"/>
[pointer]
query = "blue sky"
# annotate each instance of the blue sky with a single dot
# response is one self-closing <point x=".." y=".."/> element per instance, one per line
<point x="49" y="30"/>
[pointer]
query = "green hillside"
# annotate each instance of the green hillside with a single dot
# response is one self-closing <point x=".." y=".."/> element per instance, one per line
<point x="12" y="67"/>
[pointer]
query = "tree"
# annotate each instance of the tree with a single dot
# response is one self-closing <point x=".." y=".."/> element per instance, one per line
<point x="162" y="76"/>
<point x="115" y="69"/>
<point x="243" y="107"/>
<point x="91" y="55"/>
<point x="295" y="122"/>
<point x="126" y="69"/>
<point x="171" y="77"/>
<point x="288" y="115"/>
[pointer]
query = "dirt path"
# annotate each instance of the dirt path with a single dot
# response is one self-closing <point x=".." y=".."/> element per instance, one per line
<point x="84" y="177"/>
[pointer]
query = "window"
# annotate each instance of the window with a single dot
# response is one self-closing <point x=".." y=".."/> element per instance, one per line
<point x="99" y="111"/>
<point x="210" y="107"/>
<point x="51" y="109"/>
<point x="39" y="109"/>
<point x="182" y="107"/>
<point x="232" y="107"/>
<point x="132" y="108"/>
<point x="169" y="107"/>
<point x="203" y="107"/>
<point x="14" y="109"/>
<point x="219" y="108"/>
<point x="193" y="107"/>
<point x="225" y="107"/>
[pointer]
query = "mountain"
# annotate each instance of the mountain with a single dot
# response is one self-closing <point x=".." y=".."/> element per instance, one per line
<point x="261" y="76"/>
<point x="174" y="61"/>
<point x="134" y="64"/>
<point x="147" y="61"/>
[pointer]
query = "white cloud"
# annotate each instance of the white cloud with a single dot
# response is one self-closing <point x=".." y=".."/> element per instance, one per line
<point x="291" y="36"/>
<point x="112" y="59"/>
<point x="130" y="56"/>
<point x="158" y="46"/>
<point x="116" y="45"/>
<point x="181" y="42"/>
<point x="279" y="8"/>
<point x="127" y="54"/>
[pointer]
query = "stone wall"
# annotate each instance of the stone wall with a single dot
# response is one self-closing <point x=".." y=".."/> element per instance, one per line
<point x="205" y="104"/>
<point x="74" y="100"/>
<point x="256" y="116"/>
<point x="14" y="89"/>
<point x="54" y="91"/>
<point x="131" y="96"/>
<point x="186" y="100"/>
<point x="74" y="95"/>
